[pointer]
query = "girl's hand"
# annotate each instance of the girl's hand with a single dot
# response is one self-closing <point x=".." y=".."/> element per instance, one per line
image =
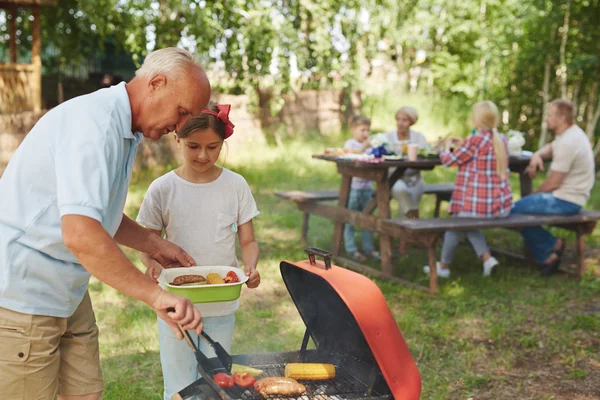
<point x="154" y="269"/>
<point x="253" y="277"/>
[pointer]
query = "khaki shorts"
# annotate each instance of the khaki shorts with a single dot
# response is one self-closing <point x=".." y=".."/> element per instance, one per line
<point x="42" y="356"/>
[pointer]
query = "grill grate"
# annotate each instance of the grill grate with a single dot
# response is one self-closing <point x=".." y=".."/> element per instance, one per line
<point x="343" y="386"/>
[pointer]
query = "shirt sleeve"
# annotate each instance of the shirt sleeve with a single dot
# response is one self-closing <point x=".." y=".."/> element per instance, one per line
<point x="461" y="155"/>
<point x="85" y="167"/>
<point x="563" y="155"/>
<point x="248" y="209"/>
<point x="151" y="215"/>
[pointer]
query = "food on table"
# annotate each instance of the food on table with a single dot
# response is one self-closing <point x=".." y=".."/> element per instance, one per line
<point x="279" y="386"/>
<point x="243" y="379"/>
<point x="187" y="279"/>
<point x="223" y="380"/>
<point x="214" y="278"/>
<point x="231" y="277"/>
<point x="242" y="368"/>
<point x="336" y="151"/>
<point x="310" y="371"/>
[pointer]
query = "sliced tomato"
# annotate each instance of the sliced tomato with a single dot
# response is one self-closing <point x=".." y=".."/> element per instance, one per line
<point x="223" y="380"/>
<point x="244" y="379"/>
<point x="231" y="277"/>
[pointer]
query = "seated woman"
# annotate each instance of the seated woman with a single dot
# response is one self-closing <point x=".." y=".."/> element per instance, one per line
<point x="408" y="189"/>
<point x="482" y="189"/>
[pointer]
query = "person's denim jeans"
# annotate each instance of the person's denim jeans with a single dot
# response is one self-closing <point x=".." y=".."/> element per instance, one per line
<point x="357" y="201"/>
<point x="177" y="358"/>
<point x="537" y="239"/>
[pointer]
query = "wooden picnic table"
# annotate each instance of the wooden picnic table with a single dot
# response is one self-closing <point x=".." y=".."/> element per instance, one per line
<point x="379" y="172"/>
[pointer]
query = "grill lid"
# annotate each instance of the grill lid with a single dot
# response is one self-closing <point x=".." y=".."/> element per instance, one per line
<point x="347" y="316"/>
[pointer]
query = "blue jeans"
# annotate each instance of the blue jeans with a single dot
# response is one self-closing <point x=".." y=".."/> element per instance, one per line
<point x="177" y="358"/>
<point x="358" y="200"/>
<point x="537" y="239"/>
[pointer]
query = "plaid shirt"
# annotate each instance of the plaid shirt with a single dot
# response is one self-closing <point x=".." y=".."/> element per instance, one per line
<point x="479" y="191"/>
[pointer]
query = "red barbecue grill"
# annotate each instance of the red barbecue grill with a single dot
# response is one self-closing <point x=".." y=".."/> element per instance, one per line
<point x="351" y="326"/>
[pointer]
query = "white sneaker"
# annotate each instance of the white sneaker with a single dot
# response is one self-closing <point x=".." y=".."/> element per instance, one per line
<point x="489" y="265"/>
<point x="441" y="272"/>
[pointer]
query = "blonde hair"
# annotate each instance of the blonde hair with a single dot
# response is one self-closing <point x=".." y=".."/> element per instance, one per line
<point x="168" y="61"/>
<point x="410" y="112"/>
<point x="486" y="116"/>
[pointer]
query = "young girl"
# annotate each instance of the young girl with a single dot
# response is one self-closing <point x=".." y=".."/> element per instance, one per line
<point x="482" y="189"/>
<point x="200" y="207"/>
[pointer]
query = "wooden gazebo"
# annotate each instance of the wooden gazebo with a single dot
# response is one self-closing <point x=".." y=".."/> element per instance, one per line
<point x="21" y="84"/>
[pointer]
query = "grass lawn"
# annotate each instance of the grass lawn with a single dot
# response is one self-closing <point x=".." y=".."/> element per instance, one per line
<point x="515" y="335"/>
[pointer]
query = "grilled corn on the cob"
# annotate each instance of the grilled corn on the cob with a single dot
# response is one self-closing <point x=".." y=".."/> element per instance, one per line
<point x="213" y="278"/>
<point x="310" y="371"/>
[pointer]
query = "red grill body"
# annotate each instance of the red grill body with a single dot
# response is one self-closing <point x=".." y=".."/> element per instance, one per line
<point x="351" y="326"/>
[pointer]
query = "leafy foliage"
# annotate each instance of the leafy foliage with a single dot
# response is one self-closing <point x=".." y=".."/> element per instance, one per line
<point x="463" y="49"/>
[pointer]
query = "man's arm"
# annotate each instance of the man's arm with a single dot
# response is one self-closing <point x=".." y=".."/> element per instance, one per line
<point x="545" y="152"/>
<point x="537" y="160"/>
<point x="133" y="235"/>
<point x="552" y="182"/>
<point x="100" y="256"/>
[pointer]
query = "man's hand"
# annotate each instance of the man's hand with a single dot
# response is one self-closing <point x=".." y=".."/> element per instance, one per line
<point x="170" y="255"/>
<point x="185" y="313"/>
<point x="535" y="163"/>
<point x="253" y="277"/>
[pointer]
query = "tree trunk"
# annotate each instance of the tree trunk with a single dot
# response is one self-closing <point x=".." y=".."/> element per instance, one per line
<point x="563" y="49"/>
<point x="546" y="99"/>
<point x="593" y="121"/>
<point x="576" y="91"/>
<point x="592" y="114"/>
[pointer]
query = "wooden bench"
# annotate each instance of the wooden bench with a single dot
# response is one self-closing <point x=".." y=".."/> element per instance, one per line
<point x="442" y="192"/>
<point x="428" y="232"/>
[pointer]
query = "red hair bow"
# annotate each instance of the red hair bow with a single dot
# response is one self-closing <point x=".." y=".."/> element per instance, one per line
<point x="223" y="116"/>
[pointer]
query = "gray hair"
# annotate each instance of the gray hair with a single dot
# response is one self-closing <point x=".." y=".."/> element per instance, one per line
<point x="166" y="61"/>
<point x="410" y="112"/>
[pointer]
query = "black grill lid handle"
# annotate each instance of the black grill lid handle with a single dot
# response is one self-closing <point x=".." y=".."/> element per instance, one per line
<point x="313" y="251"/>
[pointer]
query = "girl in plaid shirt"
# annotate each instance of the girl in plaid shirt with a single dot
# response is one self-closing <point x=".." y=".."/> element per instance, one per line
<point x="482" y="189"/>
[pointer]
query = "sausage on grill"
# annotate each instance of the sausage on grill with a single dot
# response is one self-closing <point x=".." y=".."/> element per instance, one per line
<point x="279" y="386"/>
<point x="185" y="279"/>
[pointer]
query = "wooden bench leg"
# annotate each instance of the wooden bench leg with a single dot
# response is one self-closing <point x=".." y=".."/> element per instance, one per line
<point x="305" y="227"/>
<point x="580" y="253"/>
<point x="433" y="283"/>
<point x="338" y="230"/>
<point x="438" y="203"/>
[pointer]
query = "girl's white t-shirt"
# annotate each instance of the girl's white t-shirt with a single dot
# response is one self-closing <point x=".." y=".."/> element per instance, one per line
<point x="202" y="219"/>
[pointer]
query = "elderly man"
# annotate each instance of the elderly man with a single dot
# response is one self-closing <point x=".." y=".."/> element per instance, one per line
<point x="567" y="187"/>
<point x="61" y="218"/>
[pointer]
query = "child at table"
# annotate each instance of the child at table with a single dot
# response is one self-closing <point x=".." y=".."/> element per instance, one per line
<point x="202" y="208"/>
<point x="481" y="189"/>
<point x="361" y="191"/>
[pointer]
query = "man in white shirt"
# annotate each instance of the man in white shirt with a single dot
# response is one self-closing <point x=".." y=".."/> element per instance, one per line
<point x="61" y="220"/>
<point x="567" y="187"/>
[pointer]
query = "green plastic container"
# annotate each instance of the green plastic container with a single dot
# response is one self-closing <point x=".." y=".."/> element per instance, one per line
<point x="204" y="293"/>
